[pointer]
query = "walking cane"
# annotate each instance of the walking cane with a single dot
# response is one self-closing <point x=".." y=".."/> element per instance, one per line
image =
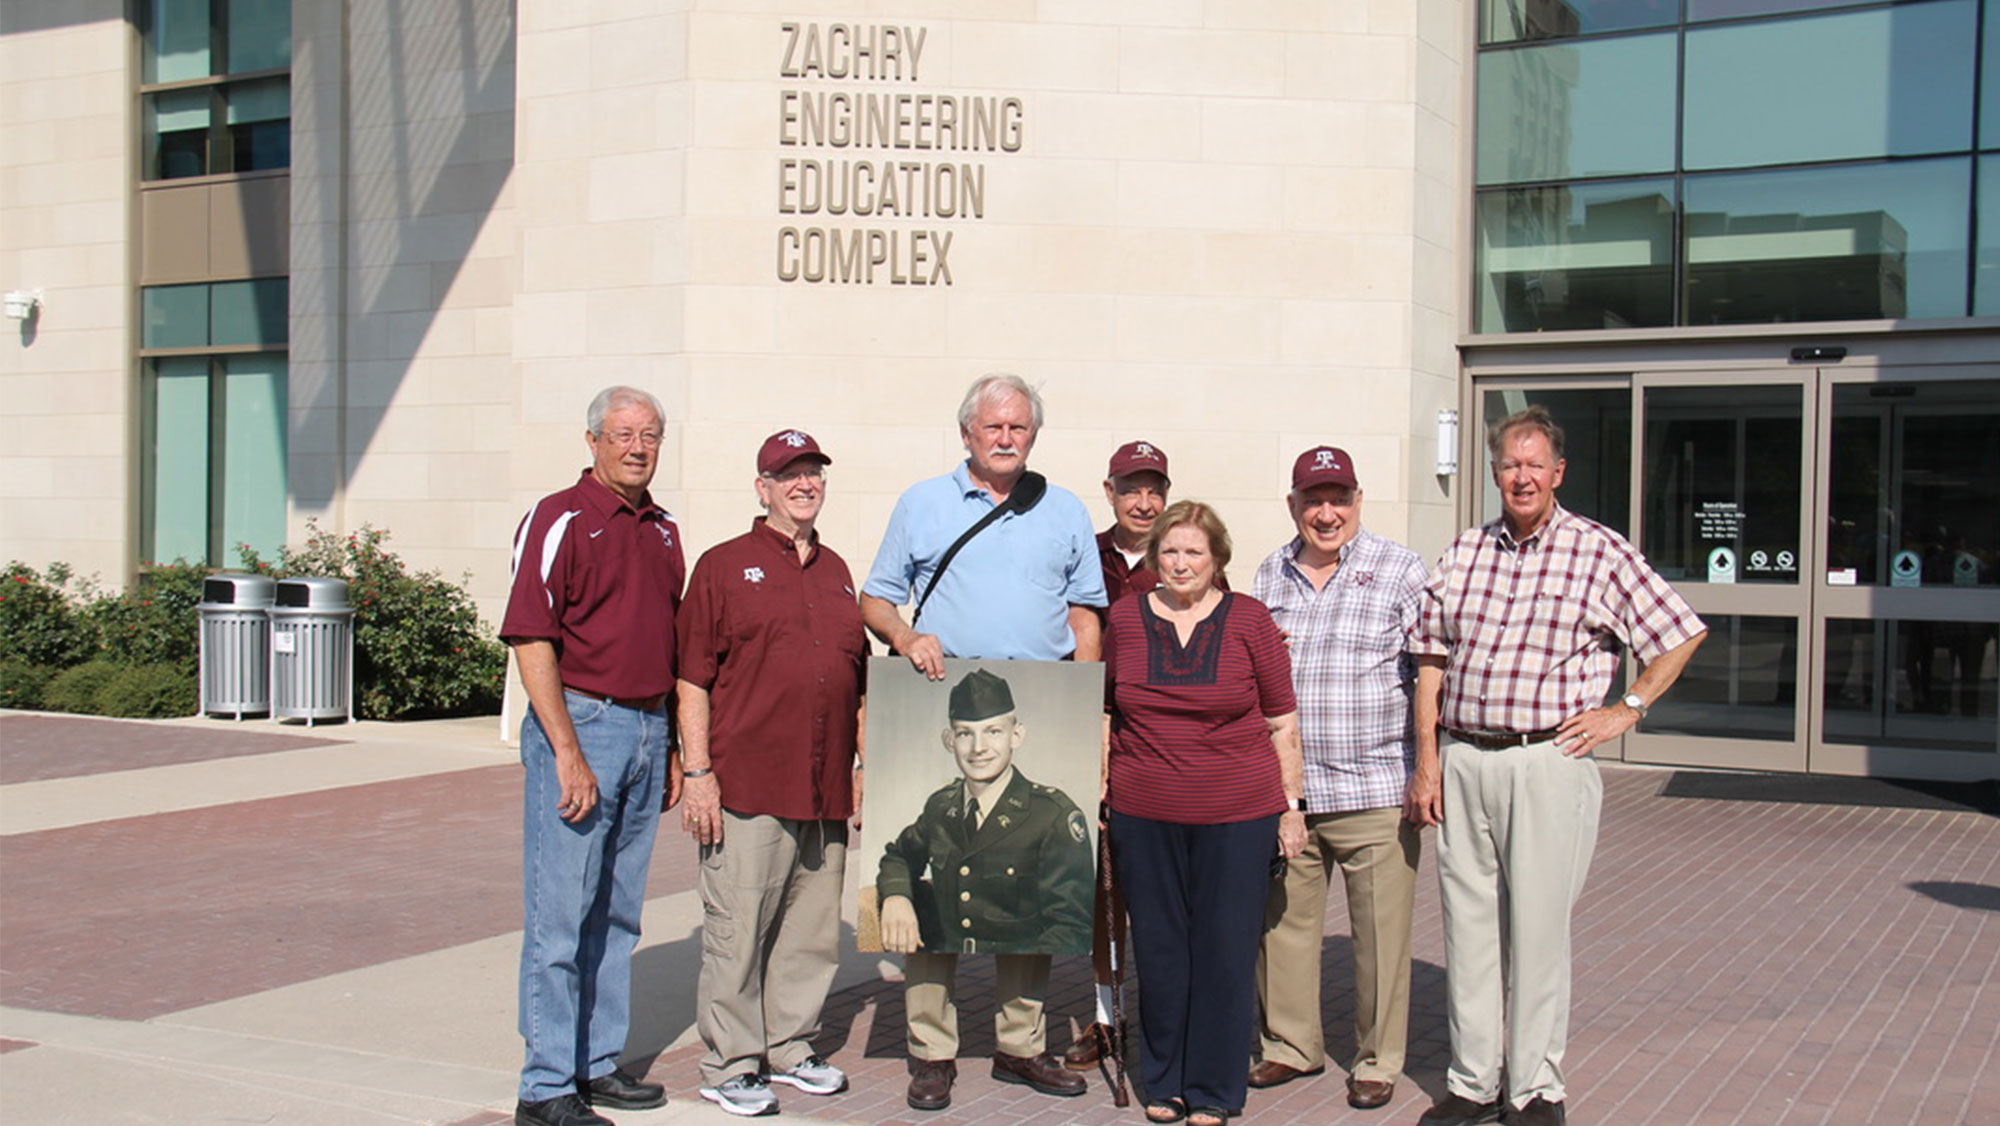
<point x="1112" y="919"/>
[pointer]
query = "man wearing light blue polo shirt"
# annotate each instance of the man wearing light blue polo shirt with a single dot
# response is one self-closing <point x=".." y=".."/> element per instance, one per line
<point x="1025" y="588"/>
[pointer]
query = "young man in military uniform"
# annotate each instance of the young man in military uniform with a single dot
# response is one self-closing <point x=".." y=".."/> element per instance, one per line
<point x="1008" y="859"/>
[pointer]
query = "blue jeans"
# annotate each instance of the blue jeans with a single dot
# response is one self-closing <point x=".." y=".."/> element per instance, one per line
<point x="584" y="885"/>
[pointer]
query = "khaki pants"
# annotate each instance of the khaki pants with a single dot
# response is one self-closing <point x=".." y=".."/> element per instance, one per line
<point x="1020" y="986"/>
<point x="770" y="941"/>
<point x="1523" y="819"/>
<point x="1376" y="852"/>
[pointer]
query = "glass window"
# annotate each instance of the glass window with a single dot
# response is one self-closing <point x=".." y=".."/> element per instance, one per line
<point x="1989" y="80"/>
<point x="215" y="474"/>
<point x="260" y="35"/>
<point x="252" y="473"/>
<point x="177" y="473"/>
<point x="1584" y="256"/>
<point x="1927" y="684"/>
<point x="250" y="312"/>
<point x="1986" y="276"/>
<point x="1506" y="21"/>
<point x="1827" y="244"/>
<point x="1702" y="10"/>
<point x="260" y="126"/>
<point x="178" y="43"/>
<point x="1597" y="447"/>
<point x="1721" y="487"/>
<point x="176" y="316"/>
<point x="1888" y="82"/>
<point x="1741" y="684"/>
<point x="216" y="314"/>
<point x="177" y="133"/>
<point x="1601" y="108"/>
<point x="1914" y="495"/>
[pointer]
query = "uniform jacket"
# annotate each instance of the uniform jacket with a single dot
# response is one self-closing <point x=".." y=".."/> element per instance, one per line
<point x="1019" y="884"/>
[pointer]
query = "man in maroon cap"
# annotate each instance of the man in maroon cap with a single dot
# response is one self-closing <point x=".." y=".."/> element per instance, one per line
<point x="772" y="657"/>
<point x="1346" y="599"/>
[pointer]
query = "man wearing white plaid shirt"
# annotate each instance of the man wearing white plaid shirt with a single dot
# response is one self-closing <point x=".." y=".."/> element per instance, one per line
<point x="1346" y="599"/>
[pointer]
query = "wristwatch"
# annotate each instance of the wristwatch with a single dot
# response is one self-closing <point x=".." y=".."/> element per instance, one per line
<point x="1637" y="703"/>
<point x="1299" y="804"/>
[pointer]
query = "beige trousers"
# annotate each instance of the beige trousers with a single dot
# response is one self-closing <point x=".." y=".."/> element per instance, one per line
<point x="1520" y="825"/>
<point x="1020" y="986"/>
<point x="1376" y="852"/>
<point x="770" y="941"/>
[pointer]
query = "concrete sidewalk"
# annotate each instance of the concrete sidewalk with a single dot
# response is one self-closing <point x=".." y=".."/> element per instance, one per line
<point x="203" y="921"/>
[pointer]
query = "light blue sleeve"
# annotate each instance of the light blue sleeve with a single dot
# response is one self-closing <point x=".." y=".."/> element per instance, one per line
<point x="890" y="575"/>
<point x="1085" y="585"/>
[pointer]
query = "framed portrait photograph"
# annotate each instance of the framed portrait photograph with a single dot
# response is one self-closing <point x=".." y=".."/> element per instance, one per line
<point x="979" y="817"/>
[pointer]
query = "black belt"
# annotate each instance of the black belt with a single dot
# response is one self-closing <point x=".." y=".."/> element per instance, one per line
<point x="1501" y="740"/>
<point x="636" y="703"/>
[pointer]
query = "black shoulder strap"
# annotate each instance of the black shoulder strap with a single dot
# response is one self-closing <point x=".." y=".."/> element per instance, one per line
<point x="1027" y="494"/>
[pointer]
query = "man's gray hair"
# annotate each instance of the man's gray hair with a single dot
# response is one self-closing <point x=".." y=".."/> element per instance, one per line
<point x="618" y="398"/>
<point x="1534" y="417"/>
<point x="994" y="388"/>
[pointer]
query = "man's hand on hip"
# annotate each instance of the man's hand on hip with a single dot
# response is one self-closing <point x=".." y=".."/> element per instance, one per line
<point x="1580" y="734"/>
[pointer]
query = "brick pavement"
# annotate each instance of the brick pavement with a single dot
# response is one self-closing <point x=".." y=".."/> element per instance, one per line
<point x="1736" y="962"/>
<point x="34" y="748"/>
<point x="149" y="915"/>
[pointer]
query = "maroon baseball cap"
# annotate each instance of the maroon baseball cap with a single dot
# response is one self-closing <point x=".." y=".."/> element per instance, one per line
<point x="785" y="447"/>
<point x="1323" y="465"/>
<point x="1139" y="457"/>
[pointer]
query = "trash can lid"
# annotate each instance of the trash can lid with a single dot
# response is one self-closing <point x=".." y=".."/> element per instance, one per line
<point x="313" y="593"/>
<point x="237" y="590"/>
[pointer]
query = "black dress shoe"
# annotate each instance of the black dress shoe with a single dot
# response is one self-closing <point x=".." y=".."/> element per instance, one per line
<point x="1538" y="1112"/>
<point x="930" y="1084"/>
<point x="617" y="1089"/>
<point x="1041" y="1072"/>
<point x="1457" y="1110"/>
<point x="563" y="1110"/>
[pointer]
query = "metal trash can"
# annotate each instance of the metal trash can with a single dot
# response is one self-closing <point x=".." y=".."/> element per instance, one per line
<point x="235" y="645"/>
<point x="312" y="651"/>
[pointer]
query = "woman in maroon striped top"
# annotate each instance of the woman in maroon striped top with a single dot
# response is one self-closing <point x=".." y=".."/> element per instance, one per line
<point x="1205" y="779"/>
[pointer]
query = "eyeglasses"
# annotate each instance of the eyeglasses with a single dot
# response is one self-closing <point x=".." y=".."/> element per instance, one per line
<point x="787" y="476"/>
<point x="645" y="438"/>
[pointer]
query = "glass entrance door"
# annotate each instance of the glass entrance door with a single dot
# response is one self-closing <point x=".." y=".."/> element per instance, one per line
<point x="1908" y="607"/>
<point x="1722" y="463"/>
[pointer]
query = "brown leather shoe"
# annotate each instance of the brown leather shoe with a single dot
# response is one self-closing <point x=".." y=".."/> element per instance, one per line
<point x="1367" y="1094"/>
<point x="1538" y="1112"/>
<point x="1087" y="1048"/>
<point x="1271" y="1073"/>
<point x="1041" y="1072"/>
<point x="930" y="1084"/>
<point x="1457" y="1110"/>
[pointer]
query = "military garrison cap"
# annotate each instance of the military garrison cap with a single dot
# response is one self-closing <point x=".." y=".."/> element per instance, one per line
<point x="981" y="695"/>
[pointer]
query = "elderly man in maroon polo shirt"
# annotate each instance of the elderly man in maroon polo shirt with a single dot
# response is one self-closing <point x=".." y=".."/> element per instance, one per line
<point x="772" y="657"/>
<point x="590" y="617"/>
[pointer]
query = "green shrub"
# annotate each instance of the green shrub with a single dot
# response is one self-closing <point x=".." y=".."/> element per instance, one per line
<point x="38" y="622"/>
<point x="152" y="691"/>
<point x="75" y="689"/>
<point x="419" y="647"/>
<point x="22" y="683"/>
<point x="154" y="621"/>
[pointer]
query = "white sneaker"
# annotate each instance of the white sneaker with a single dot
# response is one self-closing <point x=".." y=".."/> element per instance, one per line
<point x="746" y="1095"/>
<point x="814" y="1076"/>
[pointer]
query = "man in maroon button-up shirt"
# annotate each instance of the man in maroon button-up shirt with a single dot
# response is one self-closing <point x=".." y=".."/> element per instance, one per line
<point x="772" y="656"/>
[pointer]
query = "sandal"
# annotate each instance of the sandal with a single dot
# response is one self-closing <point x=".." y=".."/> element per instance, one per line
<point x="1166" y="1111"/>
<point x="1208" y="1116"/>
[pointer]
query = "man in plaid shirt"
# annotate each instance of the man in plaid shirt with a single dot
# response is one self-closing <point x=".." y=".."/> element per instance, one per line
<point x="1346" y="599"/>
<point x="1520" y="634"/>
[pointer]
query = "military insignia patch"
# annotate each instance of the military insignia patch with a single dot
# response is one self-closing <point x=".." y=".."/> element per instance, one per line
<point x="1077" y="828"/>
